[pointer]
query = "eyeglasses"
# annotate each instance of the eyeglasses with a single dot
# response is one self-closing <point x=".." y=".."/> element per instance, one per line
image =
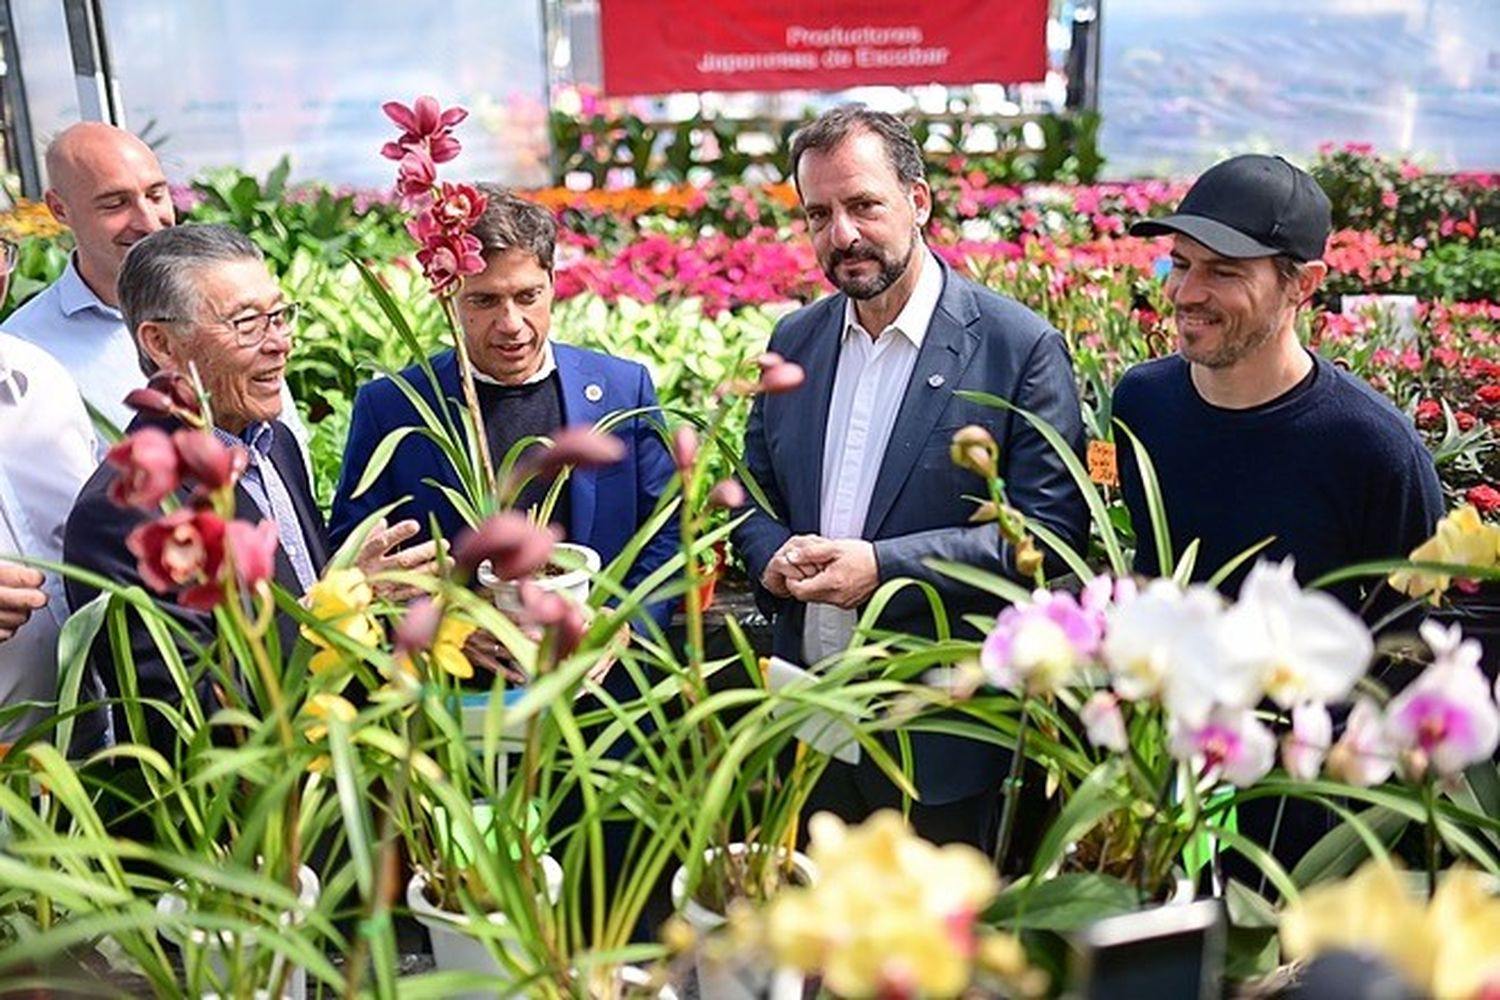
<point x="252" y="330"/>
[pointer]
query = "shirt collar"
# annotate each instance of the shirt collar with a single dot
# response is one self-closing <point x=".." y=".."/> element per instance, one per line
<point x="916" y="316"/>
<point x="549" y="365"/>
<point x="257" y="437"/>
<point x="74" y="295"/>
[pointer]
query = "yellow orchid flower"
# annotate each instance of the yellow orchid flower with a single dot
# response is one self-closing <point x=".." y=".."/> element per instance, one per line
<point x="888" y="909"/>
<point x="327" y="706"/>
<point x="447" y="652"/>
<point x="1463" y="538"/>
<point x="1445" y="948"/>
<point x="340" y="600"/>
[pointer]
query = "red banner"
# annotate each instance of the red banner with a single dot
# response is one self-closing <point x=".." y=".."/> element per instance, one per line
<point x="660" y="46"/>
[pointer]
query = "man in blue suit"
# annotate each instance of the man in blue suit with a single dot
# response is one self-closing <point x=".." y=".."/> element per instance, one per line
<point x="527" y="385"/>
<point x="855" y="463"/>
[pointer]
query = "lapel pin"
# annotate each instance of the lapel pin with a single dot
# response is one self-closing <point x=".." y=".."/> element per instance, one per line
<point x="593" y="392"/>
<point x="936" y="381"/>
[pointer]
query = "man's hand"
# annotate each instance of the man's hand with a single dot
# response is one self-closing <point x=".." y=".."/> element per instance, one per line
<point x="847" y="572"/>
<point x="487" y="653"/>
<point x="790" y="563"/>
<point x="375" y="557"/>
<point x="20" y="594"/>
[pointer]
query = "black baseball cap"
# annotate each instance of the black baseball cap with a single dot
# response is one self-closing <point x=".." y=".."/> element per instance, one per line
<point x="1251" y="206"/>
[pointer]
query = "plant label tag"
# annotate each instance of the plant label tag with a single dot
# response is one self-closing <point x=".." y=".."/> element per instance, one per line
<point x="823" y="732"/>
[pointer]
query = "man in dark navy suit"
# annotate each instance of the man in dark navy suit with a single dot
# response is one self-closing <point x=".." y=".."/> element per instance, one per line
<point x="527" y="385"/>
<point x="855" y="463"/>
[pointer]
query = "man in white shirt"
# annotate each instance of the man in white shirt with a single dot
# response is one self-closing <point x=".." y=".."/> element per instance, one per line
<point x="855" y="464"/>
<point x="46" y="453"/>
<point x="107" y="186"/>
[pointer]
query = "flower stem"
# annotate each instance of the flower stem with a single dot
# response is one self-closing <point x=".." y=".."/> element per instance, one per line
<point x="1429" y="799"/>
<point x="1012" y="792"/>
<point x="471" y="397"/>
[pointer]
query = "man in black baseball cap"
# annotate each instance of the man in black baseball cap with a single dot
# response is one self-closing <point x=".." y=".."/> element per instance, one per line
<point x="1251" y="434"/>
<point x="1255" y="439"/>
<point x="1251" y="206"/>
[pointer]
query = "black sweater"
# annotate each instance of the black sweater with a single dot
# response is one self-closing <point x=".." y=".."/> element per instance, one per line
<point x="1330" y="469"/>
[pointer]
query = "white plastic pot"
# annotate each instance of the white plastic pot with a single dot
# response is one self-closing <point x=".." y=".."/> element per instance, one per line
<point x="454" y="948"/>
<point x="749" y="978"/>
<point x="223" y="950"/>
<point x="580" y="563"/>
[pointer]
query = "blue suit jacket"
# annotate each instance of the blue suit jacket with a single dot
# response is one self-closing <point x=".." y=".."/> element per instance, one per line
<point x="918" y="511"/>
<point x="606" y="506"/>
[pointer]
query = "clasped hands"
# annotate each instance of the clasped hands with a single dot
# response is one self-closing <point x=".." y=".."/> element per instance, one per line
<point x="817" y="570"/>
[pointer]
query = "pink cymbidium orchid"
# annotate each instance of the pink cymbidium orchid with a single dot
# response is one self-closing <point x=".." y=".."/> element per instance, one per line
<point x="424" y="125"/>
<point x="415" y="177"/>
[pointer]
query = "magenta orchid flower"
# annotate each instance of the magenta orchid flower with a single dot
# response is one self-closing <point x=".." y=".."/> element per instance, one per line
<point x="423" y="125"/>
<point x="252" y="547"/>
<point x="515" y="547"/>
<point x="458" y="207"/>
<point x="1230" y="744"/>
<point x="1447" y="713"/>
<point x="1036" y="647"/>
<point x="446" y="259"/>
<point x="148" y="469"/>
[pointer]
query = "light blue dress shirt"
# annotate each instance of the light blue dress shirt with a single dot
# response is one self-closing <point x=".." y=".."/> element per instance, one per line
<point x="264" y="484"/>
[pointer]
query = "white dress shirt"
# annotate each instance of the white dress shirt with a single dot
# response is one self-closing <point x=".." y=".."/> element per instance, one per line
<point x="868" y="387"/>
<point x="46" y="454"/>
<point x="68" y="321"/>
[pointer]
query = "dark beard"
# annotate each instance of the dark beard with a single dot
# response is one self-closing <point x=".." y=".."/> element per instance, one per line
<point x="861" y="289"/>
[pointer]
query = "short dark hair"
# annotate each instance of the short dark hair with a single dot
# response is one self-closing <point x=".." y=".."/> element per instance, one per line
<point x="835" y="125"/>
<point x="157" y="279"/>
<point x="510" y="222"/>
<point x="1288" y="268"/>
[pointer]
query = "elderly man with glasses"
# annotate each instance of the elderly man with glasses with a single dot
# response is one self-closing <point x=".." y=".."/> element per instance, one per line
<point x="46" y="452"/>
<point x="201" y="302"/>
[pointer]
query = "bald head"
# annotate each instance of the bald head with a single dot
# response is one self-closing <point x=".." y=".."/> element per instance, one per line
<point x="108" y="187"/>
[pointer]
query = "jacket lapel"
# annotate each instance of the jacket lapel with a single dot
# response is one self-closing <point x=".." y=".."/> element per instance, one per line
<point x="579" y="382"/>
<point x="807" y="410"/>
<point x="945" y="355"/>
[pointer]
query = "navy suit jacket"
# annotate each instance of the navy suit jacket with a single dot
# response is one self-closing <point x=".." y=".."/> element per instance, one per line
<point x="94" y="539"/>
<point x="606" y="506"/>
<point x="977" y="340"/>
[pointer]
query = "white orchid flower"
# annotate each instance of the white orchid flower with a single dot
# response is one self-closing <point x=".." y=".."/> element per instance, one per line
<point x="1301" y="645"/>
